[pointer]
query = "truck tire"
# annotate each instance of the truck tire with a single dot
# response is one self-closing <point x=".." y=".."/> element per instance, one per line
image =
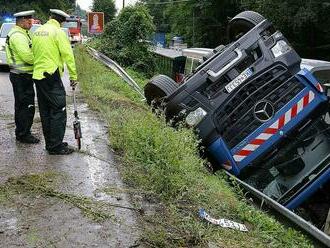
<point x="242" y="23"/>
<point x="158" y="88"/>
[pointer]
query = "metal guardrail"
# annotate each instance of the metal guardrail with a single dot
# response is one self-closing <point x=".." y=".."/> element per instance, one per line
<point x="308" y="227"/>
<point x="117" y="69"/>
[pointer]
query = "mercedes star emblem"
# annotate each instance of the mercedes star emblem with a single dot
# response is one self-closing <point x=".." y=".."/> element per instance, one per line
<point x="263" y="110"/>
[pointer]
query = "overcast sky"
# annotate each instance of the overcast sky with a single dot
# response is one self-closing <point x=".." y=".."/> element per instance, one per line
<point x="86" y="4"/>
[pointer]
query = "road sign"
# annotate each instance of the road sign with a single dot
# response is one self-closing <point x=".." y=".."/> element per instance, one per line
<point x="95" y="22"/>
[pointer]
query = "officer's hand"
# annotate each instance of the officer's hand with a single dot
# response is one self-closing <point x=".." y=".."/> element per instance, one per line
<point x="73" y="83"/>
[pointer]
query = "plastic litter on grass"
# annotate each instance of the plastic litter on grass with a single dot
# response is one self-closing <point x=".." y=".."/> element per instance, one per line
<point x="222" y="222"/>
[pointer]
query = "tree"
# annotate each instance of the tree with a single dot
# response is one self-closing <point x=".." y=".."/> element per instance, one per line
<point x="200" y="22"/>
<point x="305" y="23"/>
<point x="106" y="6"/>
<point x="204" y="22"/>
<point x="160" y="17"/>
<point x="79" y="12"/>
<point x="41" y="7"/>
<point x="124" y="38"/>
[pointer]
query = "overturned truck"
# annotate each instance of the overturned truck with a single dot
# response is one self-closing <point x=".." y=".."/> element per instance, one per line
<point x="261" y="115"/>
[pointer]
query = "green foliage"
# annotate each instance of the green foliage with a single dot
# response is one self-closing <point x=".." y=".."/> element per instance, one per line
<point x="166" y="162"/>
<point x="124" y="39"/>
<point x="78" y="11"/>
<point x="158" y="12"/>
<point x="41" y="7"/>
<point x="203" y="23"/>
<point x="304" y="22"/>
<point x="106" y="6"/>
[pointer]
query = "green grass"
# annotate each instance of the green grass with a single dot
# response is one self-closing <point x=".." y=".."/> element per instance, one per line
<point x="159" y="159"/>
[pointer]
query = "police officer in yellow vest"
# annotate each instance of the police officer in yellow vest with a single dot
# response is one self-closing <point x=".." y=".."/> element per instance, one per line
<point x="51" y="49"/>
<point x="20" y="59"/>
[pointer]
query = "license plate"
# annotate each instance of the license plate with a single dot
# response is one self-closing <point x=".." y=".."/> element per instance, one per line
<point x="239" y="80"/>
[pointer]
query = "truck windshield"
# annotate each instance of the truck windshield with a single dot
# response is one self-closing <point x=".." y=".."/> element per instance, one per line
<point x="70" y="25"/>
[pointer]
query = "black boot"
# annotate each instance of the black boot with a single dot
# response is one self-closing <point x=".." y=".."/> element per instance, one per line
<point x="29" y="139"/>
<point x="62" y="149"/>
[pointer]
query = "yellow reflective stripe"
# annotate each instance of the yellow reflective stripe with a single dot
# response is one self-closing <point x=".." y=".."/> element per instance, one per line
<point x="22" y="65"/>
<point x="8" y="43"/>
<point x="17" y="71"/>
<point x="21" y="68"/>
<point x="11" y="54"/>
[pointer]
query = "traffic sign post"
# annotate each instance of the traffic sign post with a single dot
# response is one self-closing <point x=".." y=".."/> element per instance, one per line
<point x="95" y="22"/>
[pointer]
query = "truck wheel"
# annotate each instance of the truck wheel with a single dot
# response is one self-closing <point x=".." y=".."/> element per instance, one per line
<point x="242" y="23"/>
<point x="158" y="88"/>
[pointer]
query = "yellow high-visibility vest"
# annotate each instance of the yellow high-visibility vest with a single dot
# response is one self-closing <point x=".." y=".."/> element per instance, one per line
<point x="18" y="51"/>
<point x="51" y="49"/>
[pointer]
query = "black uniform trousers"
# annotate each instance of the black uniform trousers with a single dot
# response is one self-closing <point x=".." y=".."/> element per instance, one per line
<point x="24" y="103"/>
<point x="52" y="108"/>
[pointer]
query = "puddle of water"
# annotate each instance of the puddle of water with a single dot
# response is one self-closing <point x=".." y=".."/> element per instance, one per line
<point x="8" y="220"/>
<point x="96" y="172"/>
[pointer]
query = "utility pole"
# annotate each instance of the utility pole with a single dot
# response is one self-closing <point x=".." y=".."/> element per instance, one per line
<point x="123" y="3"/>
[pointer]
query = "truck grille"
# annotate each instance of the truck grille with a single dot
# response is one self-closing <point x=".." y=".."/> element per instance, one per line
<point x="235" y="120"/>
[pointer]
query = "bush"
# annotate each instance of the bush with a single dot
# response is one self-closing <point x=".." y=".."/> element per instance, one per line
<point x="124" y="39"/>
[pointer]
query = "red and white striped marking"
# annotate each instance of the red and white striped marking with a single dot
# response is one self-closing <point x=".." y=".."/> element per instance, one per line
<point x="275" y="127"/>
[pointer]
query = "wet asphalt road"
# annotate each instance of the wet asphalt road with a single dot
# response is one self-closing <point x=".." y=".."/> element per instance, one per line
<point x="49" y="222"/>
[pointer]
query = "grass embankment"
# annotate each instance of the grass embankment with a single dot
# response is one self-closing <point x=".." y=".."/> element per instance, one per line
<point x="165" y="161"/>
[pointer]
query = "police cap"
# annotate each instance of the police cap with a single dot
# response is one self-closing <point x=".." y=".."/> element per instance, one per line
<point x="24" y="14"/>
<point x="59" y="13"/>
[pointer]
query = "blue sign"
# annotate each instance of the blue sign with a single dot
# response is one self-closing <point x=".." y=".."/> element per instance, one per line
<point x="159" y="40"/>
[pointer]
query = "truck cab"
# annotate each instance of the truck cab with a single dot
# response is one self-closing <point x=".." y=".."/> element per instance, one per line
<point x="260" y="111"/>
<point x="73" y="24"/>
